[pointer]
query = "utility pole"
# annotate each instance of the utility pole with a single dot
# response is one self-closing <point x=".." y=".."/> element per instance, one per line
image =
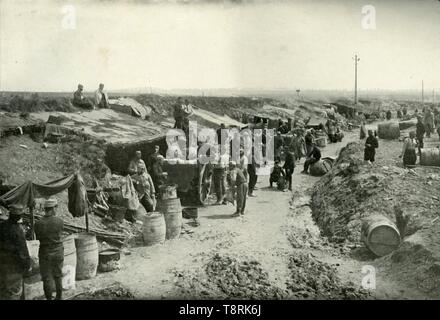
<point x="433" y="96"/>
<point x="356" y="59"/>
<point x="423" y="98"/>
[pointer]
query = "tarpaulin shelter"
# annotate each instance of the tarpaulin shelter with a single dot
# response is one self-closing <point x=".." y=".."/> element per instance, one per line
<point x="26" y="194"/>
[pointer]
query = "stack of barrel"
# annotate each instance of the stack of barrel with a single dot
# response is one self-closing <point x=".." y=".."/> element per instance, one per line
<point x="167" y="222"/>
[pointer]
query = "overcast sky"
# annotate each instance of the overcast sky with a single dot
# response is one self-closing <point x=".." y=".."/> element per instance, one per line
<point x="291" y="44"/>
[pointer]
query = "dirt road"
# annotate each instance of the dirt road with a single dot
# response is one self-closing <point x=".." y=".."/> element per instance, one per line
<point x="276" y="229"/>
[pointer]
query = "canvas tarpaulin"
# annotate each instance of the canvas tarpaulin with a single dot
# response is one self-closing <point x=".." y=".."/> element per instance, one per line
<point x="26" y="193"/>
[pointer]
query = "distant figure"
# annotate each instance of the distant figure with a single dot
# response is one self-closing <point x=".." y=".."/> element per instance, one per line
<point x="133" y="167"/>
<point x="388" y="115"/>
<point x="278" y="144"/>
<point x="420" y="133"/>
<point x="49" y="231"/>
<point x="101" y="98"/>
<point x="289" y="167"/>
<point x="429" y="122"/>
<point x="252" y="171"/>
<point x="310" y="141"/>
<point x="157" y="173"/>
<point x="241" y="189"/>
<point x="79" y="100"/>
<point x="313" y="157"/>
<point x="405" y="111"/>
<point x="152" y="158"/>
<point x="178" y="114"/>
<point x="409" y="150"/>
<point x="371" y="144"/>
<point x="14" y="255"/>
<point x="219" y="177"/>
<point x="145" y="188"/>
<point x="399" y="114"/>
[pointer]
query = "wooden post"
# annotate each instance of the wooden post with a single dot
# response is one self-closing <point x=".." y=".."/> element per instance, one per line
<point x="31" y="211"/>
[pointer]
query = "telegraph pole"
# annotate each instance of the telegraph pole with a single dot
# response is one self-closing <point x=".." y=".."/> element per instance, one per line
<point x="423" y="98"/>
<point x="356" y="59"/>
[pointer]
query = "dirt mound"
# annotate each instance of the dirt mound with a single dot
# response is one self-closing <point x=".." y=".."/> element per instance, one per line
<point x="354" y="190"/>
<point x="35" y="103"/>
<point x="314" y="279"/>
<point x="116" y="292"/>
<point x="226" y="277"/>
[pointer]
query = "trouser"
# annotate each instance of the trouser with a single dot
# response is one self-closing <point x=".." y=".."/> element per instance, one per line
<point x="369" y="154"/>
<point x="147" y="202"/>
<point x="83" y="104"/>
<point x="219" y="176"/>
<point x="428" y="130"/>
<point x="242" y="190"/>
<point x="410" y="157"/>
<point x="11" y="285"/>
<point x="289" y="173"/>
<point x="51" y="270"/>
<point x="420" y="143"/>
<point x="252" y="178"/>
<point x="308" y="163"/>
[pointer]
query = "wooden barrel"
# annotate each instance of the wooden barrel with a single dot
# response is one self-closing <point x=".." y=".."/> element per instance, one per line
<point x="69" y="265"/>
<point x="154" y="229"/>
<point x="388" y="130"/>
<point x="430" y="157"/>
<point x="380" y="235"/>
<point x="172" y="211"/>
<point x="87" y="256"/>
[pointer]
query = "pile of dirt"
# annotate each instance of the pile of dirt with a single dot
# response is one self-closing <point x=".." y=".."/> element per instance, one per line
<point x="311" y="278"/>
<point x="116" y="292"/>
<point x="226" y="277"/>
<point x="35" y="103"/>
<point x="354" y="190"/>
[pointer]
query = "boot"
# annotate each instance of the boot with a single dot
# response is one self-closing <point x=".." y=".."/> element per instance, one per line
<point x="59" y="288"/>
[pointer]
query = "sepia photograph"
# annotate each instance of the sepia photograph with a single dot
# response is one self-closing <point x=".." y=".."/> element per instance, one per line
<point x="223" y="150"/>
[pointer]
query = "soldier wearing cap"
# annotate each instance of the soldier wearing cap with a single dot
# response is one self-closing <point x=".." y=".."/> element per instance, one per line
<point x="48" y="230"/>
<point x="14" y="255"/>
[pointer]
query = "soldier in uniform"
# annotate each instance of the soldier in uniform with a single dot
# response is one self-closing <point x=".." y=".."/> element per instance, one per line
<point x="48" y="231"/>
<point x="14" y="255"/>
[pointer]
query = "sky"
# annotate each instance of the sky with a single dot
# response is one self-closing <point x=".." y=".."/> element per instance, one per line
<point x="253" y="44"/>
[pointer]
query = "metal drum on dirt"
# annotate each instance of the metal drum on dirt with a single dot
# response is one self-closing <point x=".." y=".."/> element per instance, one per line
<point x="380" y="235"/>
<point x="430" y="157"/>
<point x="87" y="256"/>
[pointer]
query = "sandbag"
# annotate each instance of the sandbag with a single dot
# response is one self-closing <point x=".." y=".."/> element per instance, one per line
<point x="78" y="204"/>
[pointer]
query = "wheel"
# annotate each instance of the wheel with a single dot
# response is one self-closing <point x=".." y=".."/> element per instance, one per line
<point x="205" y="183"/>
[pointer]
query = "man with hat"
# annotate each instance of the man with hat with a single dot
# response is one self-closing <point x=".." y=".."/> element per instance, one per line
<point x="14" y="255"/>
<point x="79" y="100"/>
<point x="49" y="230"/>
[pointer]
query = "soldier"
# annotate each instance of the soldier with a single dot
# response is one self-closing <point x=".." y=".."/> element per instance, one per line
<point x="14" y="255"/>
<point x="48" y="231"/>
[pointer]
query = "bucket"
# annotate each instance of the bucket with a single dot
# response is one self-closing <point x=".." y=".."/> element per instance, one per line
<point x="109" y="260"/>
<point x="87" y="256"/>
<point x="380" y="235"/>
<point x="172" y="211"/>
<point x="430" y="157"/>
<point x="154" y="229"/>
<point x="168" y="192"/>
